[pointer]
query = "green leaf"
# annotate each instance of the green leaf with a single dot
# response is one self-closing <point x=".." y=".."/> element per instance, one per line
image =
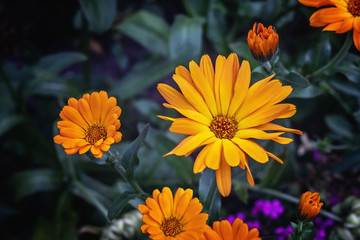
<point x="273" y="173"/>
<point x="8" y="122"/>
<point x="142" y="75"/>
<point x="216" y="26"/>
<point x="351" y="161"/>
<point x="295" y="80"/>
<point x="209" y="195"/>
<point x="32" y="181"/>
<point x="162" y="144"/>
<point x="130" y="159"/>
<point x="242" y="49"/>
<point x="308" y="92"/>
<point x="242" y="191"/>
<point x="99" y="13"/>
<point x="147" y="29"/>
<point x="347" y="87"/>
<point x="49" y="67"/>
<point x="118" y="205"/>
<point x="186" y="37"/>
<point x="339" y="125"/>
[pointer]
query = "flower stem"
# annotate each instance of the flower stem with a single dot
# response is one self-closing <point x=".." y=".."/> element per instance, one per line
<point x="268" y="67"/>
<point x="292" y="199"/>
<point x="337" y="58"/>
<point x="122" y="172"/>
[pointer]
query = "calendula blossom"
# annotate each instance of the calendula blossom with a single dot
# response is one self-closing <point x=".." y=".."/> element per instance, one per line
<point x="339" y="16"/>
<point x="224" y="114"/>
<point x="223" y="230"/>
<point x="309" y="205"/>
<point x="166" y="217"/>
<point x="263" y="42"/>
<point x="90" y="123"/>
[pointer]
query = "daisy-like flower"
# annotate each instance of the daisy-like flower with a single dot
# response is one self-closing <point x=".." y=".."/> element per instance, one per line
<point x="263" y="42"/>
<point x="90" y="123"/>
<point x="223" y="114"/>
<point x="309" y="205"/>
<point x="223" y="230"/>
<point x="168" y="217"/>
<point x="340" y="16"/>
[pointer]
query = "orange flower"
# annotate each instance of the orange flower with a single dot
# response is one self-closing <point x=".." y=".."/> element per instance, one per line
<point x="169" y="218"/>
<point x="340" y="16"/>
<point x="223" y="113"/>
<point x="225" y="231"/>
<point x="309" y="205"/>
<point x="263" y="42"/>
<point x="89" y="123"/>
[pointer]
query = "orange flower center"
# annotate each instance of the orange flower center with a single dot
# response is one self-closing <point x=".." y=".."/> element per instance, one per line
<point x="224" y="127"/>
<point x="354" y="7"/>
<point x="171" y="226"/>
<point x="95" y="132"/>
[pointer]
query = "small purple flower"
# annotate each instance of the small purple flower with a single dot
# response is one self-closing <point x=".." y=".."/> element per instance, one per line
<point x="277" y="209"/>
<point x="254" y="224"/>
<point x="258" y="207"/>
<point x="320" y="234"/>
<point x="283" y="232"/>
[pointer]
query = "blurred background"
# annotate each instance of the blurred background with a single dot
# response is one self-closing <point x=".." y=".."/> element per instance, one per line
<point x="53" y="50"/>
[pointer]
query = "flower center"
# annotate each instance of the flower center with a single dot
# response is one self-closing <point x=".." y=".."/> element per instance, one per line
<point x="95" y="132"/>
<point x="224" y="127"/>
<point x="354" y="7"/>
<point x="171" y="226"/>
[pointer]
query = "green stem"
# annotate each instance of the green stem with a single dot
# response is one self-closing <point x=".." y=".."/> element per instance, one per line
<point x="292" y="199"/>
<point x="88" y="196"/>
<point x="122" y="172"/>
<point x="85" y="43"/>
<point x="337" y="58"/>
<point x="268" y="67"/>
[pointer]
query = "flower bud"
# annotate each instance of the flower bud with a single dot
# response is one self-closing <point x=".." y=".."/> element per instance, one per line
<point x="309" y="205"/>
<point x="263" y="42"/>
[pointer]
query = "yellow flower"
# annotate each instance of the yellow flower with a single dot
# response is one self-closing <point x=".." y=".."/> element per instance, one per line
<point x="168" y="217"/>
<point x="309" y="205"/>
<point x="223" y="113"/>
<point x="263" y="42"/>
<point x="89" y="123"/>
<point x="225" y="231"/>
<point x="340" y="16"/>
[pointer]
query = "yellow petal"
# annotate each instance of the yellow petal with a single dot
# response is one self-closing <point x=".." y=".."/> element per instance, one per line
<point x="213" y="157"/>
<point x="256" y="133"/>
<point x="251" y="148"/>
<point x="208" y="69"/>
<point x="227" y="83"/>
<point x="204" y="87"/>
<point x="219" y="65"/>
<point x="194" y="115"/>
<point x="199" y="164"/>
<point x="173" y="97"/>
<point x="86" y="111"/>
<point x="231" y="153"/>
<point x="275" y="127"/>
<point x="241" y="87"/>
<point x="187" y="126"/>
<point x="95" y="105"/>
<point x="223" y="178"/>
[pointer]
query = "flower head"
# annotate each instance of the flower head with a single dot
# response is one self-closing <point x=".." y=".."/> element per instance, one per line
<point x="224" y="114"/>
<point x="263" y="42"/>
<point x="340" y="16"/>
<point x="90" y="123"/>
<point x="309" y="205"/>
<point x="168" y="217"/>
<point x="223" y="230"/>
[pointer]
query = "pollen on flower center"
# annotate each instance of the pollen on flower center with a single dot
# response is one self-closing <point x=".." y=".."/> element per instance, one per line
<point x="224" y="127"/>
<point x="171" y="226"/>
<point x="354" y="7"/>
<point x="95" y="132"/>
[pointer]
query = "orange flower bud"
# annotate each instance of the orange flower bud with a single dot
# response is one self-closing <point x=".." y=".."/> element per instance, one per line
<point x="309" y="205"/>
<point x="263" y="42"/>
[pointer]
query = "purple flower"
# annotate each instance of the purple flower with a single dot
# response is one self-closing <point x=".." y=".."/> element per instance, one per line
<point x="231" y="218"/>
<point x="316" y="155"/>
<point x="254" y="224"/>
<point x="320" y="234"/>
<point x="258" y="207"/>
<point x="283" y="232"/>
